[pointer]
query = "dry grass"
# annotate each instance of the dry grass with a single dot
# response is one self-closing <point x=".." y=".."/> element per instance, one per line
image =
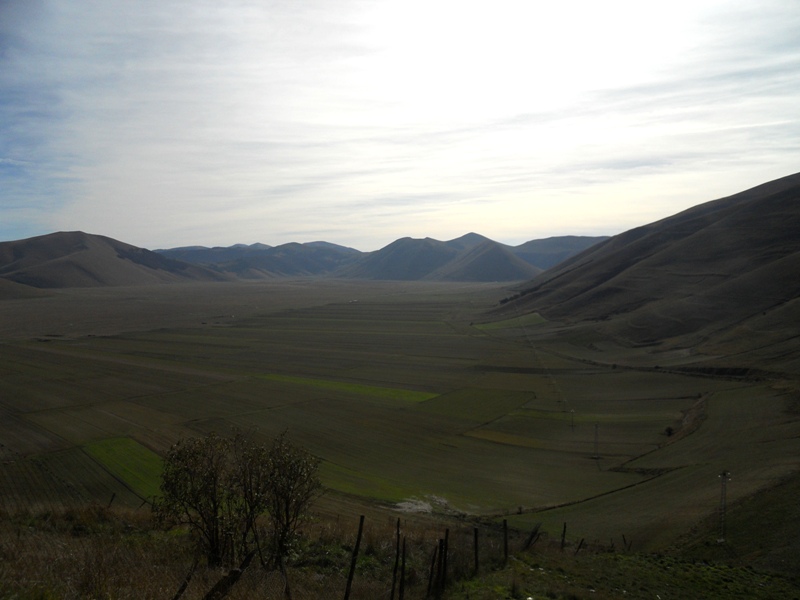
<point x="94" y="552"/>
<point x="102" y="554"/>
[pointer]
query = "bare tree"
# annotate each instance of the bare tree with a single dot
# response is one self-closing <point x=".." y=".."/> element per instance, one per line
<point x="219" y="487"/>
<point x="195" y="492"/>
<point x="251" y="484"/>
<point x="293" y="486"/>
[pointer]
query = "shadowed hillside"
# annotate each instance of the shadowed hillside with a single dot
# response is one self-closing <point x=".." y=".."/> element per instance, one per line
<point x="723" y="276"/>
<point x="488" y="259"/>
<point x="260" y="261"/>
<point x="10" y="290"/>
<point x="551" y="251"/>
<point x="405" y="259"/>
<point x="292" y="259"/>
<point x="77" y="259"/>
<point x="471" y="257"/>
<point x="218" y="254"/>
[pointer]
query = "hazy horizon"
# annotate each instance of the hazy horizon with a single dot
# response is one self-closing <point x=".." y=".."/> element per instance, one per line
<point x="211" y="246"/>
<point x="166" y="124"/>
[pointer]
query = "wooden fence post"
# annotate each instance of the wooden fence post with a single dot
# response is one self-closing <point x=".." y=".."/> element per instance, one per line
<point x="505" y="541"/>
<point x="532" y="538"/>
<point x="396" y="559"/>
<point x="354" y="559"/>
<point x="439" y="568"/>
<point x="578" y="549"/>
<point x="444" y="558"/>
<point x="403" y="572"/>
<point x="475" y="544"/>
<point x="433" y="570"/>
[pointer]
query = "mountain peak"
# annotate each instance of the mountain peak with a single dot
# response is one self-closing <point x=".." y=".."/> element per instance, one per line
<point x="468" y="240"/>
<point x="78" y="259"/>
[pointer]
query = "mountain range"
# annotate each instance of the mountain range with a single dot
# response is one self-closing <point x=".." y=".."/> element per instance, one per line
<point x="471" y="257"/>
<point x="77" y="259"/>
<point x="722" y="278"/>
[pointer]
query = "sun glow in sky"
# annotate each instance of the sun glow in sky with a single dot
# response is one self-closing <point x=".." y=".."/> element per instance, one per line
<point x="177" y="122"/>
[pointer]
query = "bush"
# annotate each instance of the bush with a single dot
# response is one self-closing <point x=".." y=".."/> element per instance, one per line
<point x="219" y="487"/>
<point x="292" y="485"/>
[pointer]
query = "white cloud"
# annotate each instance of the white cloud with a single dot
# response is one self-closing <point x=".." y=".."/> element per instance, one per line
<point x="178" y="122"/>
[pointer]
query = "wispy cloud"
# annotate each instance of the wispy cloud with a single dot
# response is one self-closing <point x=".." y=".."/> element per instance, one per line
<point x="179" y="122"/>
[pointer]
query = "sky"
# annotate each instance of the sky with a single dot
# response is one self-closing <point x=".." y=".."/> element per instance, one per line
<point x="166" y="123"/>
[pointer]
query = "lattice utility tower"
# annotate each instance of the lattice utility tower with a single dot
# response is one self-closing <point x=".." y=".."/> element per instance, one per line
<point x="596" y="441"/>
<point x="724" y="478"/>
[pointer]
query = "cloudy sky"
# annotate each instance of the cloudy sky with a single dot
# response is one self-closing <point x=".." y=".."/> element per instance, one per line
<point x="164" y="123"/>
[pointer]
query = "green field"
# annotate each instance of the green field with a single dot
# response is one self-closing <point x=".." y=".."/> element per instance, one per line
<point x="399" y="395"/>
<point x="355" y="388"/>
<point x="137" y="467"/>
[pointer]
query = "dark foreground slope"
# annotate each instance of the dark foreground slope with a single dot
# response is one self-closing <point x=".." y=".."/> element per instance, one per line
<point x="723" y="277"/>
<point x="77" y="259"/>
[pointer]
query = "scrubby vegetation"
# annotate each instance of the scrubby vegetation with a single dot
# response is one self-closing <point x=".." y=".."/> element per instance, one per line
<point x="219" y="487"/>
<point x="97" y="552"/>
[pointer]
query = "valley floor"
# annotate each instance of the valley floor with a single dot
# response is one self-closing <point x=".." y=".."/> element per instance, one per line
<point x="400" y="390"/>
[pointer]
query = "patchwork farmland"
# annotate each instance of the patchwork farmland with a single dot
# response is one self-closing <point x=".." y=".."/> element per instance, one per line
<point x="400" y="391"/>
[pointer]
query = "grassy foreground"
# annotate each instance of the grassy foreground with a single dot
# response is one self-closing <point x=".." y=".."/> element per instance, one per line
<point x="103" y="553"/>
<point x="611" y="576"/>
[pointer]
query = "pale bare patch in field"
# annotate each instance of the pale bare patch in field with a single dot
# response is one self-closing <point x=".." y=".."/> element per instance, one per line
<point x="414" y="505"/>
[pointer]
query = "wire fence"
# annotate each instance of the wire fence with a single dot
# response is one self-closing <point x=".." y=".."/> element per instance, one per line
<point x="91" y="551"/>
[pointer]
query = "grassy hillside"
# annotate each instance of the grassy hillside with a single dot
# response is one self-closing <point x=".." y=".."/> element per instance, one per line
<point x="549" y="252"/>
<point x="720" y="279"/>
<point x="10" y="290"/>
<point x="486" y="261"/>
<point x="405" y="259"/>
<point x="76" y="259"/>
